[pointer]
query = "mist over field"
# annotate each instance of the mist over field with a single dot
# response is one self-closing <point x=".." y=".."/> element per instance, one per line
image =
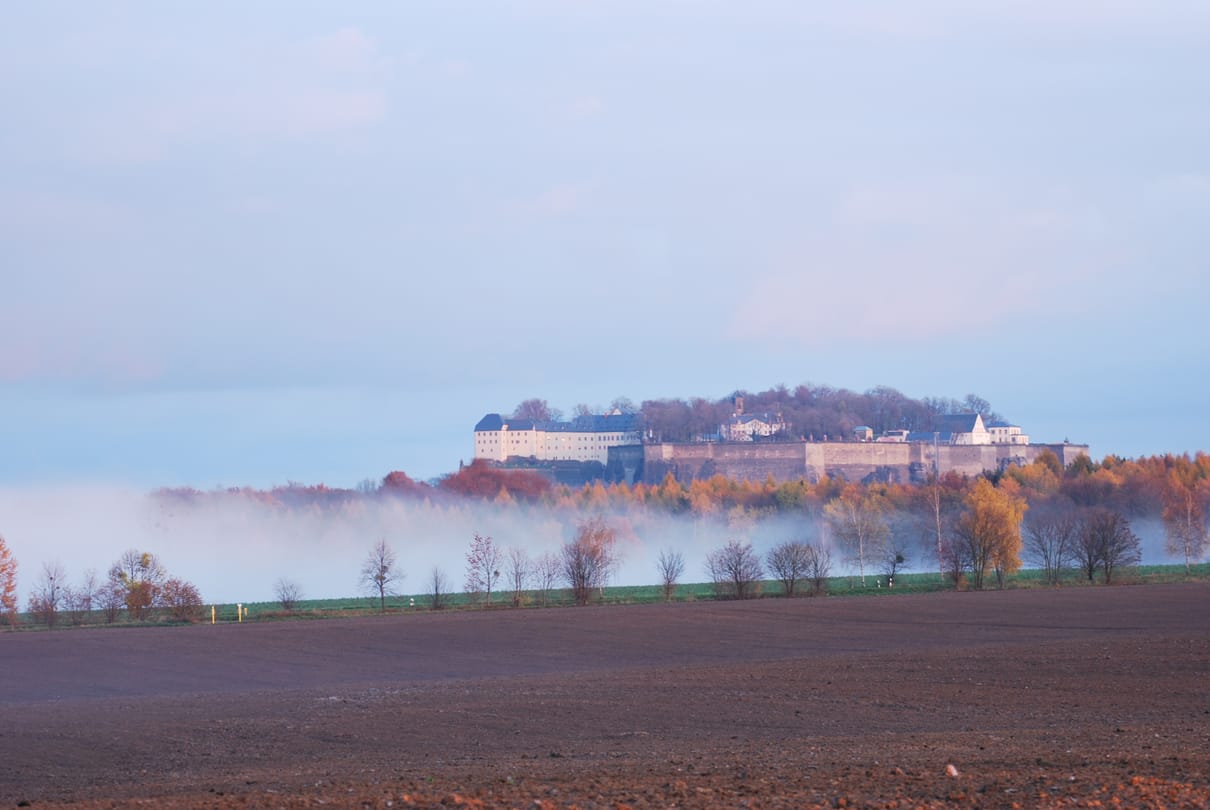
<point x="234" y="546"/>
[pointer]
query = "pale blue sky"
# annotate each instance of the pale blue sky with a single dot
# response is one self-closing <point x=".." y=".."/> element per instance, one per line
<point x="247" y="243"/>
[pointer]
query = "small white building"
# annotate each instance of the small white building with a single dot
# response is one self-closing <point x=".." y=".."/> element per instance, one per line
<point x="1004" y="433"/>
<point x="747" y="427"/>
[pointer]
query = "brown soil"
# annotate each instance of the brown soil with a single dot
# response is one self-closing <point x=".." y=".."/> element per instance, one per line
<point x="1034" y="698"/>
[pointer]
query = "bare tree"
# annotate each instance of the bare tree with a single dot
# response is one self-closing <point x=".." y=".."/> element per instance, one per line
<point x="482" y="566"/>
<point x="438" y="589"/>
<point x="379" y="573"/>
<point x="895" y="557"/>
<point x="955" y="559"/>
<point x="548" y="569"/>
<point x="1122" y="549"/>
<point x="78" y="601"/>
<point x="111" y="598"/>
<point x="288" y="593"/>
<point x="819" y="568"/>
<point x="1106" y="541"/>
<point x="671" y="566"/>
<point x="789" y="562"/>
<point x="735" y="570"/>
<point x="588" y="560"/>
<point x="536" y="409"/>
<point x="49" y="593"/>
<point x="1050" y="541"/>
<point x="518" y="571"/>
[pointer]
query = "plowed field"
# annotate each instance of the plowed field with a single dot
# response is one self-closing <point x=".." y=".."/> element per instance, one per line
<point x="1029" y="698"/>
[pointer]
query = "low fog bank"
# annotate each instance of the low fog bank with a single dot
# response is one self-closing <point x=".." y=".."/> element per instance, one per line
<point x="234" y="547"/>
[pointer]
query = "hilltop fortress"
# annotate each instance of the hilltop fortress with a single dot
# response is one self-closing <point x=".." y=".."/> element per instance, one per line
<point x="614" y="447"/>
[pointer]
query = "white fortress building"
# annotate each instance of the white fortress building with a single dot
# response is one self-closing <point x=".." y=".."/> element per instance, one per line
<point x="585" y="438"/>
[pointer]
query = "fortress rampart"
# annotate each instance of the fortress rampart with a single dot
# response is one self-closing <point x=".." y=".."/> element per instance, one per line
<point x="901" y="462"/>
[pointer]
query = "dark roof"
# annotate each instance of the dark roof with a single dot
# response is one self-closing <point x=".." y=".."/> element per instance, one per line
<point x="595" y="423"/>
<point x="492" y="421"/>
<point x="956" y="423"/>
<point x="943" y="436"/>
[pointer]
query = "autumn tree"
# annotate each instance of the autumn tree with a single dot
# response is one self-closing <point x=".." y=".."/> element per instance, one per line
<point x="990" y="530"/>
<point x="858" y="521"/>
<point x="789" y="563"/>
<point x="483" y="560"/>
<point x="589" y="558"/>
<point x="8" y="584"/>
<point x="49" y="594"/>
<point x="181" y="599"/>
<point x="480" y="479"/>
<point x="380" y="573"/>
<point x="518" y="569"/>
<point x="735" y="570"/>
<point x="138" y="576"/>
<point x="671" y="566"/>
<point x="1184" y="516"/>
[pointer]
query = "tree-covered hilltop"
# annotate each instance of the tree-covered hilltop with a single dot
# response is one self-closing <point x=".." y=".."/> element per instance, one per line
<point x="808" y="411"/>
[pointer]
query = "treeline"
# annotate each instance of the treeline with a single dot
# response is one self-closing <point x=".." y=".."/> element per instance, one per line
<point x="1144" y="487"/>
<point x="810" y="412"/>
<point x="930" y="524"/>
<point x="815" y="412"/>
<point x="137" y="588"/>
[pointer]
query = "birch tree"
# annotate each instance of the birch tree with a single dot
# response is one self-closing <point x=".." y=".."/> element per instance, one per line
<point x="1184" y="518"/>
<point x="858" y="521"/>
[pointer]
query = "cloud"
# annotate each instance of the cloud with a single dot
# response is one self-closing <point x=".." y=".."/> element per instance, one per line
<point x="585" y="108"/>
<point x="346" y="50"/>
<point x="923" y="262"/>
<point x="262" y="93"/>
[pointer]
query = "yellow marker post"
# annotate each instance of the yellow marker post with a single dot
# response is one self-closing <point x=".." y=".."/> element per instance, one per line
<point x="213" y="616"/>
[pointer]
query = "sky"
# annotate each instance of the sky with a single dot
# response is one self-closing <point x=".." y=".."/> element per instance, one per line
<point x="247" y="244"/>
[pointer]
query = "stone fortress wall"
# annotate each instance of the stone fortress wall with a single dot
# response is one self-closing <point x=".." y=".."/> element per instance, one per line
<point x="901" y="462"/>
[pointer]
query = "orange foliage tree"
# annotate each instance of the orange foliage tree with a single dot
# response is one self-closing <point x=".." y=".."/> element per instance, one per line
<point x="480" y="479"/>
<point x="990" y="530"/>
<point x="8" y="583"/>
